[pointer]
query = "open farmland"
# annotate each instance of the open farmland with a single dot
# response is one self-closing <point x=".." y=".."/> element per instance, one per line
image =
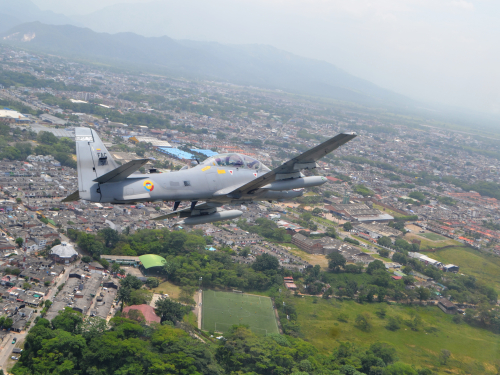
<point x="473" y="350"/>
<point x="483" y="266"/>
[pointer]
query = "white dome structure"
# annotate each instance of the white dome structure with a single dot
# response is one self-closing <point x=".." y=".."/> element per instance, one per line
<point x="63" y="253"/>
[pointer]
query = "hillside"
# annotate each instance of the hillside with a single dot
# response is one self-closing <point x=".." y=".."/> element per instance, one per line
<point x="13" y="13"/>
<point x="257" y="65"/>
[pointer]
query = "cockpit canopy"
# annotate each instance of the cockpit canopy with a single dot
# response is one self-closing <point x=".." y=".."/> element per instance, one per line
<point x="236" y="161"/>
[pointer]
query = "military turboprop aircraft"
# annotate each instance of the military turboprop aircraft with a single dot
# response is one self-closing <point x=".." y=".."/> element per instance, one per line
<point x="222" y="179"/>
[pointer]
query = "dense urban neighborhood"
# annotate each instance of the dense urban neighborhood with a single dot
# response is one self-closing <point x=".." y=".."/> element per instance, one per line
<point x="402" y="200"/>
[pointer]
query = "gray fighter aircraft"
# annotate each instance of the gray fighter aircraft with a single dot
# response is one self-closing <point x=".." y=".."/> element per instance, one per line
<point x="222" y="179"/>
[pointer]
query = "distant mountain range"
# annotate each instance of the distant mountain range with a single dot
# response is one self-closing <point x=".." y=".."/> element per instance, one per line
<point x="256" y="65"/>
<point x="15" y="12"/>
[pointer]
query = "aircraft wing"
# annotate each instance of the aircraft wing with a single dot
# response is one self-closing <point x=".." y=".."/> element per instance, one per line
<point x="291" y="169"/>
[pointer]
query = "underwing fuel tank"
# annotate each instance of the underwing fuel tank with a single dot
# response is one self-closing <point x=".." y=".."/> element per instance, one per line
<point x="217" y="216"/>
<point x="296" y="183"/>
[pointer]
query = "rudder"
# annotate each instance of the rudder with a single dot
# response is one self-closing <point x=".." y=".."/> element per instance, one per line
<point x="93" y="160"/>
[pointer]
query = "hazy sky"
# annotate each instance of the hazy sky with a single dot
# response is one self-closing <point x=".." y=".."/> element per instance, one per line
<point x="444" y="51"/>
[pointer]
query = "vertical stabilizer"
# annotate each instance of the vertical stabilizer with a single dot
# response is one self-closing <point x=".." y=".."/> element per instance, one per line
<point x="93" y="160"/>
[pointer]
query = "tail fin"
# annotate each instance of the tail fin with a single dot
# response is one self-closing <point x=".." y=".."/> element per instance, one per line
<point x="93" y="161"/>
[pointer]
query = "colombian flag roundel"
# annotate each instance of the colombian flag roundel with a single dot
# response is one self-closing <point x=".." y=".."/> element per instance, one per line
<point x="148" y="185"/>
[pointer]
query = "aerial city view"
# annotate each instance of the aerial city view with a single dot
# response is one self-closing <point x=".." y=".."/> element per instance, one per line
<point x="182" y="192"/>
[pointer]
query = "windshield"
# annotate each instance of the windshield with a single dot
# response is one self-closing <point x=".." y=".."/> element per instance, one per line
<point x="236" y="161"/>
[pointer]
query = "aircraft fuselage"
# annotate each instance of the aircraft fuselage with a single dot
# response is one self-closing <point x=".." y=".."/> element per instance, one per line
<point x="199" y="183"/>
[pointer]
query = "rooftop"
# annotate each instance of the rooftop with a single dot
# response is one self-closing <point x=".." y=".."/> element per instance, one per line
<point x="152" y="260"/>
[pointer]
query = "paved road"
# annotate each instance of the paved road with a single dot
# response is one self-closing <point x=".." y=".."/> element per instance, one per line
<point x="6" y="348"/>
<point x="197" y="310"/>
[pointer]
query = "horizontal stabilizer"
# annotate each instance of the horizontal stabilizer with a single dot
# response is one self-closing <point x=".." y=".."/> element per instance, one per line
<point x="72" y="197"/>
<point x="122" y="172"/>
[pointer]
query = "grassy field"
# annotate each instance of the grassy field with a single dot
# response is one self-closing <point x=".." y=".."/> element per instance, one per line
<point x="222" y="310"/>
<point x="473" y="351"/>
<point x="191" y="319"/>
<point x="426" y="243"/>
<point x="433" y="236"/>
<point x="314" y="259"/>
<point x="483" y="266"/>
<point x="172" y="290"/>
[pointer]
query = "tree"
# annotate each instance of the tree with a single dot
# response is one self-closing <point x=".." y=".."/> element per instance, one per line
<point x="195" y="243"/>
<point x="47" y="138"/>
<point x="444" y="356"/>
<point x="407" y="270"/>
<point x="418" y="195"/>
<point x="408" y="280"/>
<point x="423" y="293"/>
<point x="399" y="368"/>
<point x="384" y="351"/>
<point x="19" y="241"/>
<point x="401" y="244"/>
<point x="72" y="234"/>
<point x="265" y="262"/>
<point x="363" y="322"/>
<point x="347" y="226"/>
<point x="15" y="271"/>
<point x="140" y="297"/>
<point x="393" y="324"/>
<point x="336" y="261"/>
<point x="317" y="211"/>
<point x="131" y="282"/>
<point x="152" y="282"/>
<point x="384" y="241"/>
<point x="384" y="253"/>
<point x="8" y="323"/>
<point x="111" y="237"/>
<point x="400" y="258"/>
<point x="104" y="263"/>
<point x="307" y="216"/>
<point x="245" y="251"/>
<point x="68" y="320"/>
<point x="86" y="259"/>
<point x="26" y="285"/>
<point x="115" y="267"/>
<point x="88" y="242"/>
<point x="331" y="232"/>
<point x="175" y="243"/>
<point x="343" y="317"/>
<point x="169" y="310"/>
<point x="93" y="327"/>
<point x="375" y="265"/>
<point x="124" y="295"/>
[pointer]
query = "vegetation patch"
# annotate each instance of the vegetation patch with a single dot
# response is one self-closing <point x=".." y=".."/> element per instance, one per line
<point x="167" y="287"/>
<point x="424" y="332"/>
<point x="483" y="266"/>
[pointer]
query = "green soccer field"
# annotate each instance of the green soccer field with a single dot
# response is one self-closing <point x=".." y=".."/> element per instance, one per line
<point x="222" y="310"/>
